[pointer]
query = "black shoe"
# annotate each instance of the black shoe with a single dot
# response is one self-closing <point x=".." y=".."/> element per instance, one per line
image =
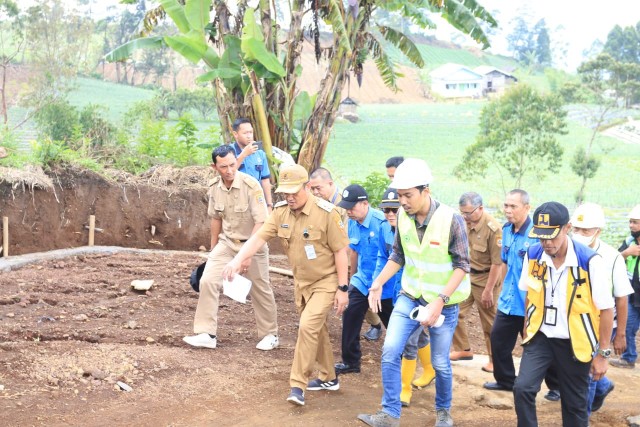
<point x="552" y="395"/>
<point x="344" y="368"/>
<point x="373" y="334"/>
<point x="497" y="387"/>
<point x="599" y="399"/>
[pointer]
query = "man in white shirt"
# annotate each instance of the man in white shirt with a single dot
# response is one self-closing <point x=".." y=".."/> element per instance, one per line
<point x="568" y="312"/>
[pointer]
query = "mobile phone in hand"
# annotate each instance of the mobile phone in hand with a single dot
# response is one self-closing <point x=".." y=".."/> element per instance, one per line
<point x="258" y="144"/>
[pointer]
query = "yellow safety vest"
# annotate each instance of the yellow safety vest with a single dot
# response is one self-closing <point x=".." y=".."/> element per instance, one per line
<point x="583" y="317"/>
<point x="428" y="265"/>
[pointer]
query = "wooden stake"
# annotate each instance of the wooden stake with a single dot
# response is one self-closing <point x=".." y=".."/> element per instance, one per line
<point x="92" y="229"/>
<point x="5" y="236"/>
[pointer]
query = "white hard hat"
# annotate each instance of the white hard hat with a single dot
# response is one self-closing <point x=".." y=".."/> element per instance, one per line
<point x="634" y="214"/>
<point x="588" y="215"/>
<point x="411" y="173"/>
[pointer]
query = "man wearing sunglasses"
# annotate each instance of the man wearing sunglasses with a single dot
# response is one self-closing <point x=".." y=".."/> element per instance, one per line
<point x="485" y="240"/>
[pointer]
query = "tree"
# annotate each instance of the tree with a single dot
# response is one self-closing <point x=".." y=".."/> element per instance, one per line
<point x="256" y="72"/>
<point x="623" y="47"/>
<point x="543" y="44"/>
<point x="597" y="76"/>
<point x="518" y="135"/>
<point x="520" y="41"/>
<point x="12" y="42"/>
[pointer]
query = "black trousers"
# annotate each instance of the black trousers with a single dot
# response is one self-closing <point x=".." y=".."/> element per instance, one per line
<point x="539" y="354"/>
<point x="504" y="335"/>
<point x="352" y="319"/>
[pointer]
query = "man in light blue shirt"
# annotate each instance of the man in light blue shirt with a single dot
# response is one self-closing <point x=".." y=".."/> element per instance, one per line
<point x="509" y="320"/>
<point x="364" y="232"/>
<point x="252" y="160"/>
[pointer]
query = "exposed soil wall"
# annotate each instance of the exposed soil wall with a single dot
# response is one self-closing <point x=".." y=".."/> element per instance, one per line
<point x="125" y="209"/>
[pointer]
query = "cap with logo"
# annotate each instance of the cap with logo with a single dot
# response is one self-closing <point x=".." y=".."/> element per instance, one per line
<point x="351" y="195"/>
<point x="292" y="178"/>
<point x="390" y="199"/>
<point x="548" y="219"/>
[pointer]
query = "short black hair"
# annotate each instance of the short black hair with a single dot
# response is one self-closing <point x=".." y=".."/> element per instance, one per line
<point x="239" y="121"/>
<point x="222" y="151"/>
<point x="394" y="162"/>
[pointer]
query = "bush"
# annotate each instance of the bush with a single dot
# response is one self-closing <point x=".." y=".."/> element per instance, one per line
<point x="57" y="120"/>
<point x="375" y="184"/>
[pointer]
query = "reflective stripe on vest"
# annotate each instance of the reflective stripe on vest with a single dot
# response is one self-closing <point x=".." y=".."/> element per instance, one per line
<point x="583" y="317"/>
<point x="428" y="265"/>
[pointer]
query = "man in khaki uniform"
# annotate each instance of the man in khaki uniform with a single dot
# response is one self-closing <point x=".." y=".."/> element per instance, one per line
<point x="315" y="239"/>
<point x="322" y="185"/>
<point x="485" y="244"/>
<point x="237" y="209"/>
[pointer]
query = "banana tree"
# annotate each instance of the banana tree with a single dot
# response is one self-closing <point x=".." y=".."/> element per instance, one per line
<point x="254" y="67"/>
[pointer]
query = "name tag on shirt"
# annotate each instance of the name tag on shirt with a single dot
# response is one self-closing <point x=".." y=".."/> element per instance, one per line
<point x="550" y="315"/>
<point x="310" y="251"/>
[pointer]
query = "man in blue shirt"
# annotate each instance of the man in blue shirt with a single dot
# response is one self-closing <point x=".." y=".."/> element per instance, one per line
<point x="509" y="320"/>
<point x="364" y="231"/>
<point x="252" y="160"/>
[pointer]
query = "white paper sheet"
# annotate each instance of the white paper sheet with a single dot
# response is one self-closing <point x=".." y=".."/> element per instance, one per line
<point x="237" y="289"/>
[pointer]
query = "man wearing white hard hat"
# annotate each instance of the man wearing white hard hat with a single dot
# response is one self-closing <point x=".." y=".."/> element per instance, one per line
<point x="630" y="250"/>
<point x="587" y="224"/>
<point x="431" y="244"/>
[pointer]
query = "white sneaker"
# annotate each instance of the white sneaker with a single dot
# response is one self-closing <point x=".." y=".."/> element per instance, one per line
<point x="268" y="343"/>
<point x="201" y="340"/>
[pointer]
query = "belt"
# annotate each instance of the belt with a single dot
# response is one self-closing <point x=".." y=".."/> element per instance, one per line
<point x="474" y="271"/>
<point x="237" y="242"/>
<point x="421" y="300"/>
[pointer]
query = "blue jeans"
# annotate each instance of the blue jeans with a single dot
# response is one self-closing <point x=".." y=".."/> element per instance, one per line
<point x="600" y="387"/>
<point x="633" y="323"/>
<point x="398" y="332"/>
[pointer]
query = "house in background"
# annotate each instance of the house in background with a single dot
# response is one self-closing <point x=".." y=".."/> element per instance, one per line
<point x="456" y="81"/>
<point x="494" y="79"/>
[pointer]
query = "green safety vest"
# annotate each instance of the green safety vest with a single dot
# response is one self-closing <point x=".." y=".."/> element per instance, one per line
<point x="428" y="265"/>
<point x="632" y="261"/>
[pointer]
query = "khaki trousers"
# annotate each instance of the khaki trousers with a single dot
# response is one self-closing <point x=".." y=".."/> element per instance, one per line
<point x="262" y="299"/>
<point x="313" y="343"/>
<point x="460" y="337"/>
<point x="372" y="318"/>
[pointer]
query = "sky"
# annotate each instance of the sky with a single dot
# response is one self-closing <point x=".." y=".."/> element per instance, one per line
<point x="583" y="20"/>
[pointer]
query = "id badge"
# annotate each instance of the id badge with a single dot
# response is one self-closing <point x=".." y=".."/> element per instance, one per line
<point x="310" y="251"/>
<point x="550" y="316"/>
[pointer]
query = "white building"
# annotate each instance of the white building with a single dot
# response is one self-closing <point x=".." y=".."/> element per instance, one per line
<point x="456" y="81"/>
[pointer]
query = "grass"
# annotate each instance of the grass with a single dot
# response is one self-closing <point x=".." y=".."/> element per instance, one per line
<point x="117" y="98"/>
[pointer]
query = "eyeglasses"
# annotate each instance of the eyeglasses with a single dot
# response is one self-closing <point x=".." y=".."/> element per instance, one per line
<point x="469" y="213"/>
<point x="390" y="210"/>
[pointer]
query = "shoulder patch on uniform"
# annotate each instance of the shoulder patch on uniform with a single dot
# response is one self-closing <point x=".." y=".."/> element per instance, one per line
<point x="494" y="226"/>
<point x="250" y="181"/>
<point x="280" y="203"/>
<point x="323" y="204"/>
<point x="215" y="180"/>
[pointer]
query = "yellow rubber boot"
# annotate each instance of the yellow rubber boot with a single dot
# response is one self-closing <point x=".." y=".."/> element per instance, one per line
<point x="428" y="374"/>
<point x="407" y="372"/>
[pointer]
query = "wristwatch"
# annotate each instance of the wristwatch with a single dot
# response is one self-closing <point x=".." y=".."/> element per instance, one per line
<point x="606" y="352"/>
<point x="343" y="288"/>
<point x="444" y="298"/>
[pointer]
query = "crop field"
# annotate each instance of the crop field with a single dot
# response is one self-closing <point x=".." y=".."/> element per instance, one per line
<point x="439" y="134"/>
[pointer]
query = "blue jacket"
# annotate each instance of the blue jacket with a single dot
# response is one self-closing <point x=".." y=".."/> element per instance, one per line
<point x="363" y="238"/>
<point x="255" y="165"/>
<point x="385" y="244"/>
<point x="514" y="248"/>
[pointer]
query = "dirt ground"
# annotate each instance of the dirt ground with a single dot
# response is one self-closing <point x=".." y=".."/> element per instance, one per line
<point x="71" y="328"/>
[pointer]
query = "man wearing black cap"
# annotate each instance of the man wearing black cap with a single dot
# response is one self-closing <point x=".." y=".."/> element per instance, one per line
<point x="364" y="231"/>
<point x="568" y="307"/>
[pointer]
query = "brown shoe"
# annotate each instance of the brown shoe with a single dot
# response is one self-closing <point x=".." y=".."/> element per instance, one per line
<point x="488" y="367"/>
<point x="461" y="355"/>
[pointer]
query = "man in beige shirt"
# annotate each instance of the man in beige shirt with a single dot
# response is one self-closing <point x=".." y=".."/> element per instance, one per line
<point x="315" y="239"/>
<point x="485" y="244"/>
<point x="237" y="209"/>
